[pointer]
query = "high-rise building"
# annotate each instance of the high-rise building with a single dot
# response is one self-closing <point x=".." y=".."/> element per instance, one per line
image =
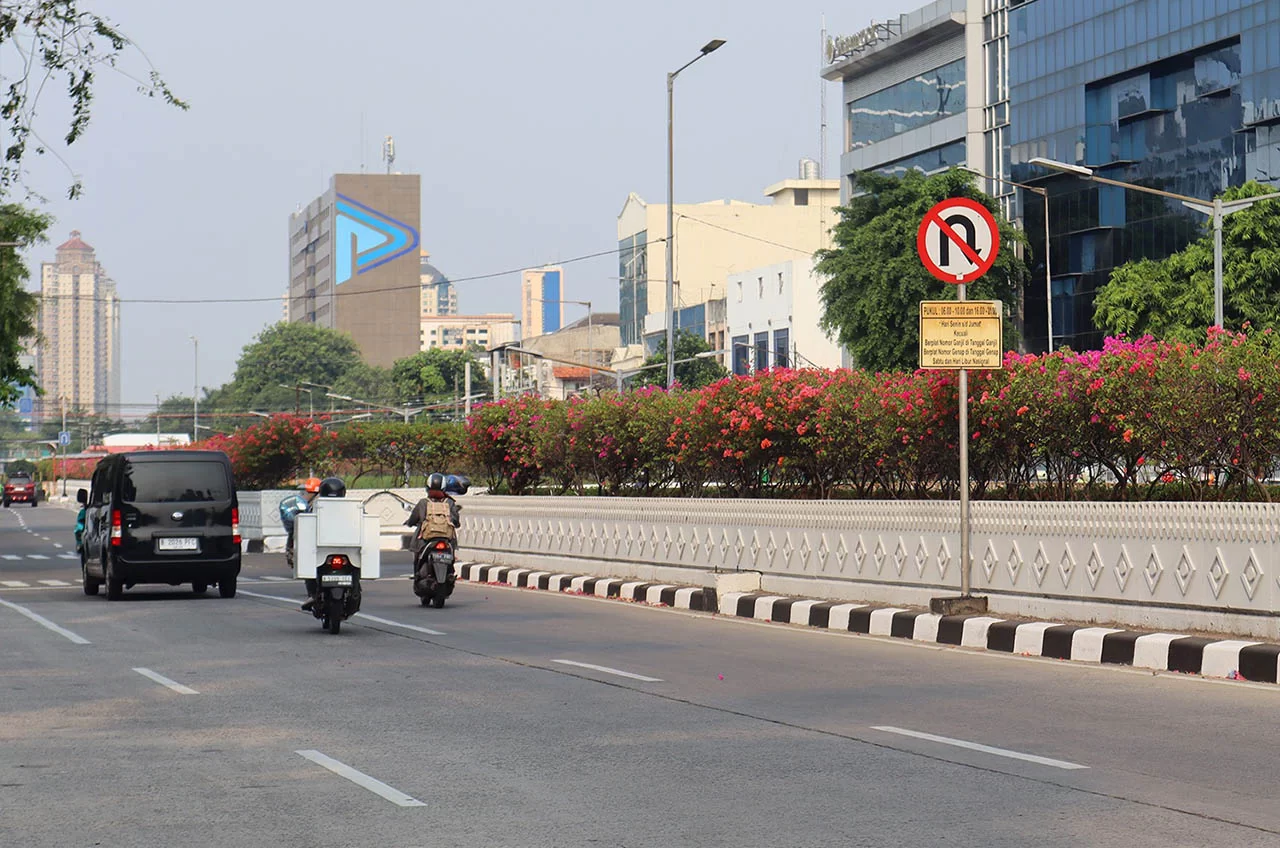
<point x="354" y="265"/>
<point x="439" y="296"/>
<point x="1172" y="94"/>
<point x="78" y="356"/>
<point x="541" y="301"/>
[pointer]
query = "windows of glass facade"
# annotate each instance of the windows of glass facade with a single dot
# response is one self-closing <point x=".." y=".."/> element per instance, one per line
<point x="762" y="351"/>
<point x="633" y="286"/>
<point x="782" y="348"/>
<point x="1182" y="95"/>
<point x="930" y="161"/>
<point x="741" y="355"/>
<point x="692" y="319"/>
<point x="916" y="102"/>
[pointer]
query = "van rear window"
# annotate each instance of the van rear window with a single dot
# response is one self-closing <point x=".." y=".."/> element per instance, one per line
<point x="164" y="482"/>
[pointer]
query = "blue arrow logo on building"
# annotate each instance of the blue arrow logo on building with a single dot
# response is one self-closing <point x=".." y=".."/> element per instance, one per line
<point x="366" y="238"/>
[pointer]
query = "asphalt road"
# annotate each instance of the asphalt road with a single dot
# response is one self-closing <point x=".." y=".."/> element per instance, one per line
<point x="529" y="719"/>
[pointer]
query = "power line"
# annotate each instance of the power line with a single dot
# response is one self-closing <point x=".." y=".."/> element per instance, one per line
<point x="337" y="292"/>
<point x="745" y="235"/>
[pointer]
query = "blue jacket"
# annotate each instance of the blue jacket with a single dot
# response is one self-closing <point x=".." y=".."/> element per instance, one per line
<point x="289" y="509"/>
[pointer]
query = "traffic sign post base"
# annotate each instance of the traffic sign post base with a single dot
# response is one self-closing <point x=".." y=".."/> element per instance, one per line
<point x="962" y="605"/>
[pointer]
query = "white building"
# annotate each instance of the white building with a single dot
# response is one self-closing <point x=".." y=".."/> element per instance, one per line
<point x="463" y="332"/>
<point x="712" y="240"/>
<point x="773" y="320"/>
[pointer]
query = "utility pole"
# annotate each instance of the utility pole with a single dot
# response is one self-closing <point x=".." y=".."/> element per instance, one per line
<point x="157" y="419"/>
<point x="466" y="406"/>
<point x="195" y="390"/>
<point x="62" y="402"/>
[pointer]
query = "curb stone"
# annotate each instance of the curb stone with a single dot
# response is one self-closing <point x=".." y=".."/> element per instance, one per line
<point x="668" y="594"/>
<point x="1235" y="659"/>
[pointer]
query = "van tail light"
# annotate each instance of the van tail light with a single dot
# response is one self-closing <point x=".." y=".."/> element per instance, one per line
<point x="235" y="525"/>
<point x="117" y="528"/>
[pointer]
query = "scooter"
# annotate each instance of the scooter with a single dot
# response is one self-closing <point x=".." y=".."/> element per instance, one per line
<point x="338" y="592"/>
<point x="433" y="574"/>
<point x="336" y="549"/>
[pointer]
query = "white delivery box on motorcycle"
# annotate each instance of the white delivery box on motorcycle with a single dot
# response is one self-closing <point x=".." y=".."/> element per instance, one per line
<point x="337" y="526"/>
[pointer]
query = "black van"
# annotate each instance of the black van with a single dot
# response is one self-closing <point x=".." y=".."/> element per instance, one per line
<point x="161" y="517"/>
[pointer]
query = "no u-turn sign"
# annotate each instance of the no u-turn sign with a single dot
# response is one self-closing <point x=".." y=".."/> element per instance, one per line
<point x="958" y="240"/>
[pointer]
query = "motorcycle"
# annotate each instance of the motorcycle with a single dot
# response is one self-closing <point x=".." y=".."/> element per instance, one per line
<point x="433" y="574"/>
<point x="433" y="566"/>
<point x="338" y="583"/>
<point x="336" y="549"/>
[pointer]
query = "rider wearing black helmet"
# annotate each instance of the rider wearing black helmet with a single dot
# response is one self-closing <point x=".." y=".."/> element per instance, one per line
<point x="330" y="487"/>
<point x="435" y="493"/>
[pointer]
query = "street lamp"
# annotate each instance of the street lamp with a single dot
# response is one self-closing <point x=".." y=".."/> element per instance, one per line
<point x="1216" y="209"/>
<point x="195" y="388"/>
<point x="406" y="411"/>
<point x="1048" y="276"/>
<point x="709" y="47"/>
<point x="590" y="350"/>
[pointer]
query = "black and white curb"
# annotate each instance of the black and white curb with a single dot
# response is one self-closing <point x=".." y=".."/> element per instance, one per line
<point x="1225" y="658"/>
<point x="1230" y="658"/>
<point x="666" y="594"/>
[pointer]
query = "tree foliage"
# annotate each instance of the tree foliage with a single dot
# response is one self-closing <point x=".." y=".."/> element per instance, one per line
<point x="875" y="279"/>
<point x="44" y="40"/>
<point x="1173" y="298"/>
<point x="18" y="307"/>
<point x="283" y="356"/>
<point x="690" y="375"/>
<point x="435" y="373"/>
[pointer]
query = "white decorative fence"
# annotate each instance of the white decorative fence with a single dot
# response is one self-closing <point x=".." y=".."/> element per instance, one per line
<point x="1181" y="566"/>
<point x="1165" y="565"/>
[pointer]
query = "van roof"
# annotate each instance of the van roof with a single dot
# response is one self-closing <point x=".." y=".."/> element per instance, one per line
<point x="174" y="455"/>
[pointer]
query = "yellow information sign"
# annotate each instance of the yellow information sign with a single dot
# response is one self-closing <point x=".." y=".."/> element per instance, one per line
<point x="965" y="334"/>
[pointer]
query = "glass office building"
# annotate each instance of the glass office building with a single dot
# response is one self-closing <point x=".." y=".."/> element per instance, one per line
<point x="1181" y="95"/>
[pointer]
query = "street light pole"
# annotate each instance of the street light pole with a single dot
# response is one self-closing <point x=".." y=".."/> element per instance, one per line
<point x="707" y="48"/>
<point x="195" y="389"/>
<point x="1048" y="275"/>
<point x="1217" y="209"/>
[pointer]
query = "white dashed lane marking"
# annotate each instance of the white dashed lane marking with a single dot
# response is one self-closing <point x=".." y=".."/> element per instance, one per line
<point x="985" y="749"/>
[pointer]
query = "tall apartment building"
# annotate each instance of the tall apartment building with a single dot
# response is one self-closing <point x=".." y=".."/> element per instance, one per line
<point x="541" y="301"/>
<point x="78" y="356"/>
<point x="354" y="263"/>
<point x="439" y="296"/>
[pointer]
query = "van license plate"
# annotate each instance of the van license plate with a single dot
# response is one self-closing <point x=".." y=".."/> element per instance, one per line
<point x="178" y="544"/>
<point x="335" y="579"/>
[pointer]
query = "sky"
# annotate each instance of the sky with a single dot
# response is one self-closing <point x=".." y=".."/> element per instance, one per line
<point x="529" y="124"/>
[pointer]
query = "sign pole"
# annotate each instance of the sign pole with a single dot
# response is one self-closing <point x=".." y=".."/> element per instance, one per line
<point x="965" y="589"/>
<point x="958" y="241"/>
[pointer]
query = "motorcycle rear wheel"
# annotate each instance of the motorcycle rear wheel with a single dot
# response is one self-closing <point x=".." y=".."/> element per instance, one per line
<point x="334" y="617"/>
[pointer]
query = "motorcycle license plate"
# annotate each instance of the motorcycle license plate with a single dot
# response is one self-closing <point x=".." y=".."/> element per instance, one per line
<point x="336" y="579"/>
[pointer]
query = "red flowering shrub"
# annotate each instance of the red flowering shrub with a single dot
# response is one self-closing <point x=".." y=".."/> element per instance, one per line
<point x="1138" y="418"/>
<point x="275" y="452"/>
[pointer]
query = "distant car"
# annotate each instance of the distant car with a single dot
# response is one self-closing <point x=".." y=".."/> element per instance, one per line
<point x="20" y="488"/>
<point x="161" y="517"/>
